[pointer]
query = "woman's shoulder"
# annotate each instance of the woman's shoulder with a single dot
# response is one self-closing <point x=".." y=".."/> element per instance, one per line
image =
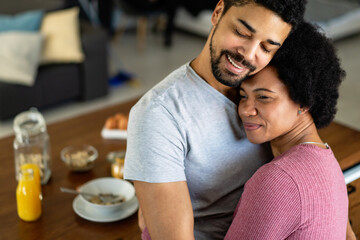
<point x="298" y="165"/>
<point x="304" y="157"/>
<point x="309" y="167"/>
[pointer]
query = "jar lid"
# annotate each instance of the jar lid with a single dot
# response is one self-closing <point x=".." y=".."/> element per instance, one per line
<point x="29" y="123"/>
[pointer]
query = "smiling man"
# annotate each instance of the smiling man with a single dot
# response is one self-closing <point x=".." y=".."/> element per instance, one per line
<point x="255" y="52"/>
<point x="186" y="152"/>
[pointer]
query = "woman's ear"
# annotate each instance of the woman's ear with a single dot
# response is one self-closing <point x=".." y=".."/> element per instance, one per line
<point x="303" y="110"/>
<point x="217" y="13"/>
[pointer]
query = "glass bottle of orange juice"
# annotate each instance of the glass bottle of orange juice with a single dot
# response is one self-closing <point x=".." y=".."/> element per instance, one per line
<point x="36" y="171"/>
<point x="28" y="196"/>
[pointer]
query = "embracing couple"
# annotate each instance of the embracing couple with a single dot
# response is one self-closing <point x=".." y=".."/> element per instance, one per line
<point x="227" y="145"/>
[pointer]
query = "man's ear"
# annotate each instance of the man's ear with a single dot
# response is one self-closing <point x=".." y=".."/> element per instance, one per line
<point x="217" y="13"/>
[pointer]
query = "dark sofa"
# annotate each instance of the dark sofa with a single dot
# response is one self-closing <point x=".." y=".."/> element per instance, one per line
<point x="59" y="83"/>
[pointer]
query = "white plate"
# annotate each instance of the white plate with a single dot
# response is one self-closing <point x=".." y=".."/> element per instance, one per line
<point x="113" y="134"/>
<point x="78" y="206"/>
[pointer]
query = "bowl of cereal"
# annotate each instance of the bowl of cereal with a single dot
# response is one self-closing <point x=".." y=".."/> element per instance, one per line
<point x="79" y="158"/>
<point x="108" y="186"/>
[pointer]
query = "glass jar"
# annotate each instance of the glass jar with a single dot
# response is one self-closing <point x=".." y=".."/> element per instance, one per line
<point x="117" y="160"/>
<point x="31" y="143"/>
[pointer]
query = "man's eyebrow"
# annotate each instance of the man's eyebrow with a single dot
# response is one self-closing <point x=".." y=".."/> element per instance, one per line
<point x="273" y="42"/>
<point x="251" y="29"/>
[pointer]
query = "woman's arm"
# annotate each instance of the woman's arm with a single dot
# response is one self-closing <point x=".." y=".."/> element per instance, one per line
<point x="167" y="209"/>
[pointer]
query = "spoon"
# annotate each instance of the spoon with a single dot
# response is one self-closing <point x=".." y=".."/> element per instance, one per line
<point x="105" y="198"/>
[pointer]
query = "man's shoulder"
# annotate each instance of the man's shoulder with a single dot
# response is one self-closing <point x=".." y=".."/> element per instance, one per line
<point x="170" y="90"/>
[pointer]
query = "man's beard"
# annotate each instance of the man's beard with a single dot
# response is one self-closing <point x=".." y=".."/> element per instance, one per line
<point x="226" y="77"/>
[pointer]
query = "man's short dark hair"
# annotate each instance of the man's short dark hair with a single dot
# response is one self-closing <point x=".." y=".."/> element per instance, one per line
<point x="308" y="65"/>
<point x="291" y="11"/>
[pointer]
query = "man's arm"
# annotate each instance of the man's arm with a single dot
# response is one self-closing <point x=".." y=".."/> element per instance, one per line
<point x="167" y="209"/>
<point x="350" y="235"/>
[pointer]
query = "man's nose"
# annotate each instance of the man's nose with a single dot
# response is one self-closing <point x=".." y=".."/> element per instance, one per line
<point x="249" y="51"/>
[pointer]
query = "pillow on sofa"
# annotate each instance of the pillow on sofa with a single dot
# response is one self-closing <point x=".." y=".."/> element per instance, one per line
<point x="62" y="37"/>
<point x="27" y="21"/>
<point x="20" y="54"/>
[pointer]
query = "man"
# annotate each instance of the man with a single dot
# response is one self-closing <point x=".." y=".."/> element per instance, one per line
<point x="186" y="152"/>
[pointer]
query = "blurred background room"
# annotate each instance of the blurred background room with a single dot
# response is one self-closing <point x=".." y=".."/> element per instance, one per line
<point x="125" y="47"/>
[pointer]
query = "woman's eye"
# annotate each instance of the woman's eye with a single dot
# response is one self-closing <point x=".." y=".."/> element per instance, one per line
<point x="263" y="97"/>
<point x="242" y="96"/>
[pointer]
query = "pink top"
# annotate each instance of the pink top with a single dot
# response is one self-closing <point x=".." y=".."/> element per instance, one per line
<point x="145" y="235"/>
<point x="301" y="194"/>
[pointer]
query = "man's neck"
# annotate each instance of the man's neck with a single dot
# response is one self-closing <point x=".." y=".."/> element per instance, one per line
<point x="202" y="67"/>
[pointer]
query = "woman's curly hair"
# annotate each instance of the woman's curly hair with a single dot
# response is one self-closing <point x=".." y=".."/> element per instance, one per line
<point x="291" y="11"/>
<point x="308" y="65"/>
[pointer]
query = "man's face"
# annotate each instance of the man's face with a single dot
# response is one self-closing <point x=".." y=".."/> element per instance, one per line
<point x="243" y="41"/>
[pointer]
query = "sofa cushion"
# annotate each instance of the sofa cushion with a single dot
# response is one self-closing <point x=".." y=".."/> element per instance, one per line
<point x="55" y="84"/>
<point x="62" y="37"/>
<point x="27" y="21"/>
<point x="20" y="54"/>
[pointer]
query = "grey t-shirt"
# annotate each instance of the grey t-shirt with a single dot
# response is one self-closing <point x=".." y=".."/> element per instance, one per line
<point x="185" y="130"/>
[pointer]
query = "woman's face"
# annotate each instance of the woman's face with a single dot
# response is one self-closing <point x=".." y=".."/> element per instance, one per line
<point x="265" y="107"/>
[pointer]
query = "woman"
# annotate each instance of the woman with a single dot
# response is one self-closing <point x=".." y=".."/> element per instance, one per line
<point x="301" y="193"/>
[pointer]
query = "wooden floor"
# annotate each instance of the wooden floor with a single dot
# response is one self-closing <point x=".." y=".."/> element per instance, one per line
<point x="345" y="143"/>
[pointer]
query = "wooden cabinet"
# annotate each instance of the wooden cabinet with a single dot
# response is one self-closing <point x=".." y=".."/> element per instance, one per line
<point x="354" y="206"/>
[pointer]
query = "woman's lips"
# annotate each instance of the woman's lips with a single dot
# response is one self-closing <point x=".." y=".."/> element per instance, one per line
<point x="251" y="126"/>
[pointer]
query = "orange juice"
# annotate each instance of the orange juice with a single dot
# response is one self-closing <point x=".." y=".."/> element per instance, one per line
<point x="27" y="196"/>
<point x="36" y="170"/>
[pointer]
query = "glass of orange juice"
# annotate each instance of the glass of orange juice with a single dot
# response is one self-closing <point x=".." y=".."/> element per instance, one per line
<point x="28" y="196"/>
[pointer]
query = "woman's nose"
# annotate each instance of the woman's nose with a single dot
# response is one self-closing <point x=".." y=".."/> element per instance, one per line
<point x="247" y="109"/>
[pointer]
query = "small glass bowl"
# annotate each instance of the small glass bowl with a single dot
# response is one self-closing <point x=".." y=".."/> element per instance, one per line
<point x="79" y="158"/>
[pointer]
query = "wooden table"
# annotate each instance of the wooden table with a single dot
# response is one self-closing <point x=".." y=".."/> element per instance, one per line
<point x="59" y="221"/>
